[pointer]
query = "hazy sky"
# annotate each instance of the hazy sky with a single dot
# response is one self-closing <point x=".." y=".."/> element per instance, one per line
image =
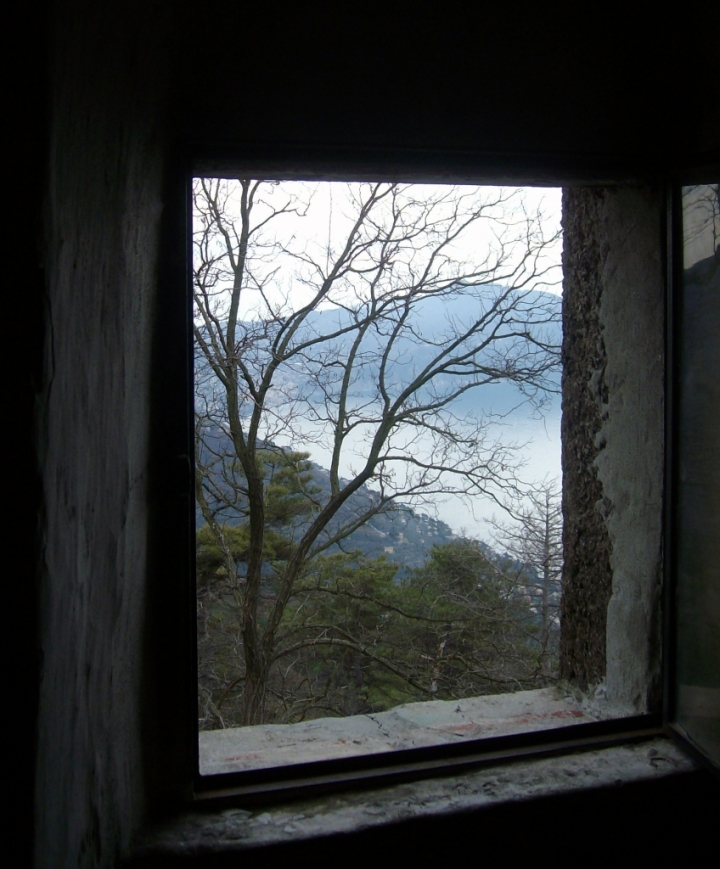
<point x="328" y="210"/>
<point x="324" y="211"/>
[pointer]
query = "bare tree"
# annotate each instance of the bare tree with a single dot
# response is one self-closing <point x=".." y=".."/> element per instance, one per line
<point x="533" y="538"/>
<point x="701" y="221"/>
<point x="326" y="341"/>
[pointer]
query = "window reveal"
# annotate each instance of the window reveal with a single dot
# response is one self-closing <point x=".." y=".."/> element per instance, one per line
<point x="289" y="481"/>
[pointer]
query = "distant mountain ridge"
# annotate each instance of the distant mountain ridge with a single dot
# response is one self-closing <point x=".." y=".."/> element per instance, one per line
<point x="399" y="532"/>
<point x="431" y="317"/>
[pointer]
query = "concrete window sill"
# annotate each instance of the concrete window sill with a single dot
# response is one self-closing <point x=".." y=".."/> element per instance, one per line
<point x="413" y="725"/>
<point x="524" y="786"/>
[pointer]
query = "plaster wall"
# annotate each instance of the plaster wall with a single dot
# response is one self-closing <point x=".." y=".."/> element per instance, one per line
<point x="630" y="463"/>
<point x="613" y="387"/>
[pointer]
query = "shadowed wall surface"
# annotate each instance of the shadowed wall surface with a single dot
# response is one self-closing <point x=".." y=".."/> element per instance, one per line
<point x="132" y="91"/>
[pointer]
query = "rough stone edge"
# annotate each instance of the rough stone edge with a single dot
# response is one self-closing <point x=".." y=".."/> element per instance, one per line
<point x="587" y="574"/>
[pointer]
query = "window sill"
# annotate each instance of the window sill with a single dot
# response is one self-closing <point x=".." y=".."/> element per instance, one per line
<point x="413" y="725"/>
<point x="213" y="835"/>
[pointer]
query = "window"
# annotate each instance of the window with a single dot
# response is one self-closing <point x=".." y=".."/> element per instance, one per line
<point x="348" y="613"/>
<point x="343" y="334"/>
<point x="695" y="698"/>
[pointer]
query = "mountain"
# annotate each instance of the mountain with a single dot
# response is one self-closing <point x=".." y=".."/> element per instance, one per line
<point x="433" y="321"/>
<point x="305" y="386"/>
<point x="402" y="534"/>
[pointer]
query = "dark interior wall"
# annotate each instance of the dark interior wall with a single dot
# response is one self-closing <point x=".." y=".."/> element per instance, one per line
<point x="103" y="215"/>
<point x="559" y="81"/>
<point x="128" y="88"/>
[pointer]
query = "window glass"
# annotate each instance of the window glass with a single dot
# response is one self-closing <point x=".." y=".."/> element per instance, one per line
<point x="698" y="580"/>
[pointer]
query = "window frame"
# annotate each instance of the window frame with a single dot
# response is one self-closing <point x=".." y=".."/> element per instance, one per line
<point x="312" y="778"/>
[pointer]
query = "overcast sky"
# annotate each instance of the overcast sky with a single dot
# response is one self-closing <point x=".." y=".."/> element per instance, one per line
<point x="326" y="221"/>
<point x="325" y="212"/>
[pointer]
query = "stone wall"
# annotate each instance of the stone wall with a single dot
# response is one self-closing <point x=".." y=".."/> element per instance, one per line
<point x="587" y="577"/>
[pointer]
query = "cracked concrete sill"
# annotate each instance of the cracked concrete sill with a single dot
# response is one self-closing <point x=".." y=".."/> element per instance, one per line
<point x="198" y="835"/>
<point x="412" y="725"/>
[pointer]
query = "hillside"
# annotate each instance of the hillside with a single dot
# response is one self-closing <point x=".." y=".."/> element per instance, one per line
<point x="402" y="534"/>
<point x="305" y="393"/>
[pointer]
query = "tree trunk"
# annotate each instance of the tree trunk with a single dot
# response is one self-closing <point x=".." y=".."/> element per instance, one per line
<point x="256" y="678"/>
